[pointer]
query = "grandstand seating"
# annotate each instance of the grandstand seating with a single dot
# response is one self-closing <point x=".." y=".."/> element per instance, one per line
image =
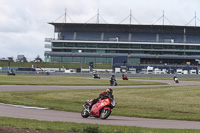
<point x="193" y="39"/>
<point x="135" y="37"/>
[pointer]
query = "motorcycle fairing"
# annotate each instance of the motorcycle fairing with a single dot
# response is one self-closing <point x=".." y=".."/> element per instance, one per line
<point x="89" y="101"/>
<point x="99" y="105"/>
<point x="107" y="108"/>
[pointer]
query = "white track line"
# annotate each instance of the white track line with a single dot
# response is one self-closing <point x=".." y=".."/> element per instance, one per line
<point x="20" y="106"/>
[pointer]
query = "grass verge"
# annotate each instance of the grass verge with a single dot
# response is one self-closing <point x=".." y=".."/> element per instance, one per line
<point x="66" y="80"/>
<point x="90" y="128"/>
<point x="180" y="102"/>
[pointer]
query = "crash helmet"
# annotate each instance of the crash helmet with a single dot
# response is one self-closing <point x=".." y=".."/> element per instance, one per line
<point x="109" y="91"/>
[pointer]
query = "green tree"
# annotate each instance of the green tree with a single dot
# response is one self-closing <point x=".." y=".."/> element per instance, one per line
<point x="11" y="59"/>
<point x="38" y="59"/>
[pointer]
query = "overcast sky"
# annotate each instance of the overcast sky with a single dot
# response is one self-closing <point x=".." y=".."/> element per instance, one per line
<point x="24" y="23"/>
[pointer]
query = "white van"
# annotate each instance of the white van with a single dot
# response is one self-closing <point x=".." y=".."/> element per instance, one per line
<point x="193" y="71"/>
<point x="149" y="70"/>
<point x="143" y="71"/>
<point x="157" y="71"/>
<point x="132" y="70"/>
<point x="179" y="71"/>
<point x="185" y="71"/>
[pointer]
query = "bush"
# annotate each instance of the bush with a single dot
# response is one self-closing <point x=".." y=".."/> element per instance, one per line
<point x="91" y="129"/>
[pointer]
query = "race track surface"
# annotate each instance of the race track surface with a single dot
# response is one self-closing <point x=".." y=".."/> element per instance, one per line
<point x="50" y="115"/>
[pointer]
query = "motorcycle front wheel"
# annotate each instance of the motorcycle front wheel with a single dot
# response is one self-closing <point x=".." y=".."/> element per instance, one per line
<point x="105" y="113"/>
<point x="84" y="113"/>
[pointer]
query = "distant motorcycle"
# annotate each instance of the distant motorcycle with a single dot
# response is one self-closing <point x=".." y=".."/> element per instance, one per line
<point x="124" y="77"/>
<point x="113" y="82"/>
<point x="10" y="73"/>
<point x="102" y="109"/>
<point x="96" y="76"/>
<point x="176" y="80"/>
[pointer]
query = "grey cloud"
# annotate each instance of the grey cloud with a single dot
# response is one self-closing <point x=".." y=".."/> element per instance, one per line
<point x="23" y="23"/>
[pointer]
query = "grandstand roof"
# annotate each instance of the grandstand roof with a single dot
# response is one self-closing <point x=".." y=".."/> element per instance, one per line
<point x="59" y="27"/>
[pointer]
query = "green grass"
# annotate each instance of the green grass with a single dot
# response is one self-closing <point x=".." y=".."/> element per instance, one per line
<point x="161" y="102"/>
<point x="75" y="127"/>
<point x="66" y="80"/>
<point x="180" y="102"/>
<point x="180" y="79"/>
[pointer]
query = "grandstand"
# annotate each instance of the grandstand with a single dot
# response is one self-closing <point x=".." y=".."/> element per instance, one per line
<point x="141" y="44"/>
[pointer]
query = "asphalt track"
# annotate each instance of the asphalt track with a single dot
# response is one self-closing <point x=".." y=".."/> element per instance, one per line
<point x="51" y="115"/>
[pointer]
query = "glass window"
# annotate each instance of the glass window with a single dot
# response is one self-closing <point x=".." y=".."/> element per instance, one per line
<point x="190" y="47"/>
<point x="57" y="44"/>
<point x="189" y="53"/>
<point x="89" y="59"/>
<point x="113" y="45"/>
<point x="157" y="46"/>
<point x="168" y="53"/>
<point x="80" y="45"/>
<point x="137" y="52"/>
<point x="67" y="59"/>
<point x="133" y="60"/>
<point x="76" y="59"/>
<point x="102" y="45"/>
<point x="100" y="51"/>
<point x="179" y="53"/>
<point x="69" y="45"/>
<point x="123" y="51"/>
<point x="168" y="47"/>
<point x="180" y="47"/>
<point x="135" y="46"/>
<point x="67" y="50"/>
<point x="146" y="46"/>
<point x="56" y="59"/>
<point x="168" y="40"/>
<point x="111" y="51"/>
<point x="89" y="51"/>
<point x="124" y="45"/>
<point x="74" y="50"/>
<point x="90" y="45"/>
<point x="58" y="50"/>
<point x="198" y="47"/>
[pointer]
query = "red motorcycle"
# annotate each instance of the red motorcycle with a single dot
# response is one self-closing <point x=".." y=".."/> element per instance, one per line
<point x="124" y="77"/>
<point x="102" y="109"/>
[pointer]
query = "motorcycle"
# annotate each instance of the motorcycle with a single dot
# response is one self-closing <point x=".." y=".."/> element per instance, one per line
<point x="113" y="82"/>
<point x="176" y="80"/>
<point x="124" y="77"/>
<point x="96" y="76"/>
<point x="10" y="73"/>
<point x="102" y="109"/>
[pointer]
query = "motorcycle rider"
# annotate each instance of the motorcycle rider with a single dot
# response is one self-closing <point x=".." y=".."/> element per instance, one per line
<point x="175" y="78"/>
<point x="112" y="78"/>
<point x="102" y="95"/>
<point x="123" y="76"/>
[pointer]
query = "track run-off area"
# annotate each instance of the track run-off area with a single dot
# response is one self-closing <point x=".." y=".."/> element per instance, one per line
<point x="15" y="111"/>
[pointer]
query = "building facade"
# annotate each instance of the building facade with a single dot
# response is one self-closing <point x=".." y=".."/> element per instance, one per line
<point x="141" y="44"/>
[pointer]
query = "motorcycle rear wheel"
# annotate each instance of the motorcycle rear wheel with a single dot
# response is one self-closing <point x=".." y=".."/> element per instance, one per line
<point x="84" y="113"/>
<point x="105" y="113"/>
